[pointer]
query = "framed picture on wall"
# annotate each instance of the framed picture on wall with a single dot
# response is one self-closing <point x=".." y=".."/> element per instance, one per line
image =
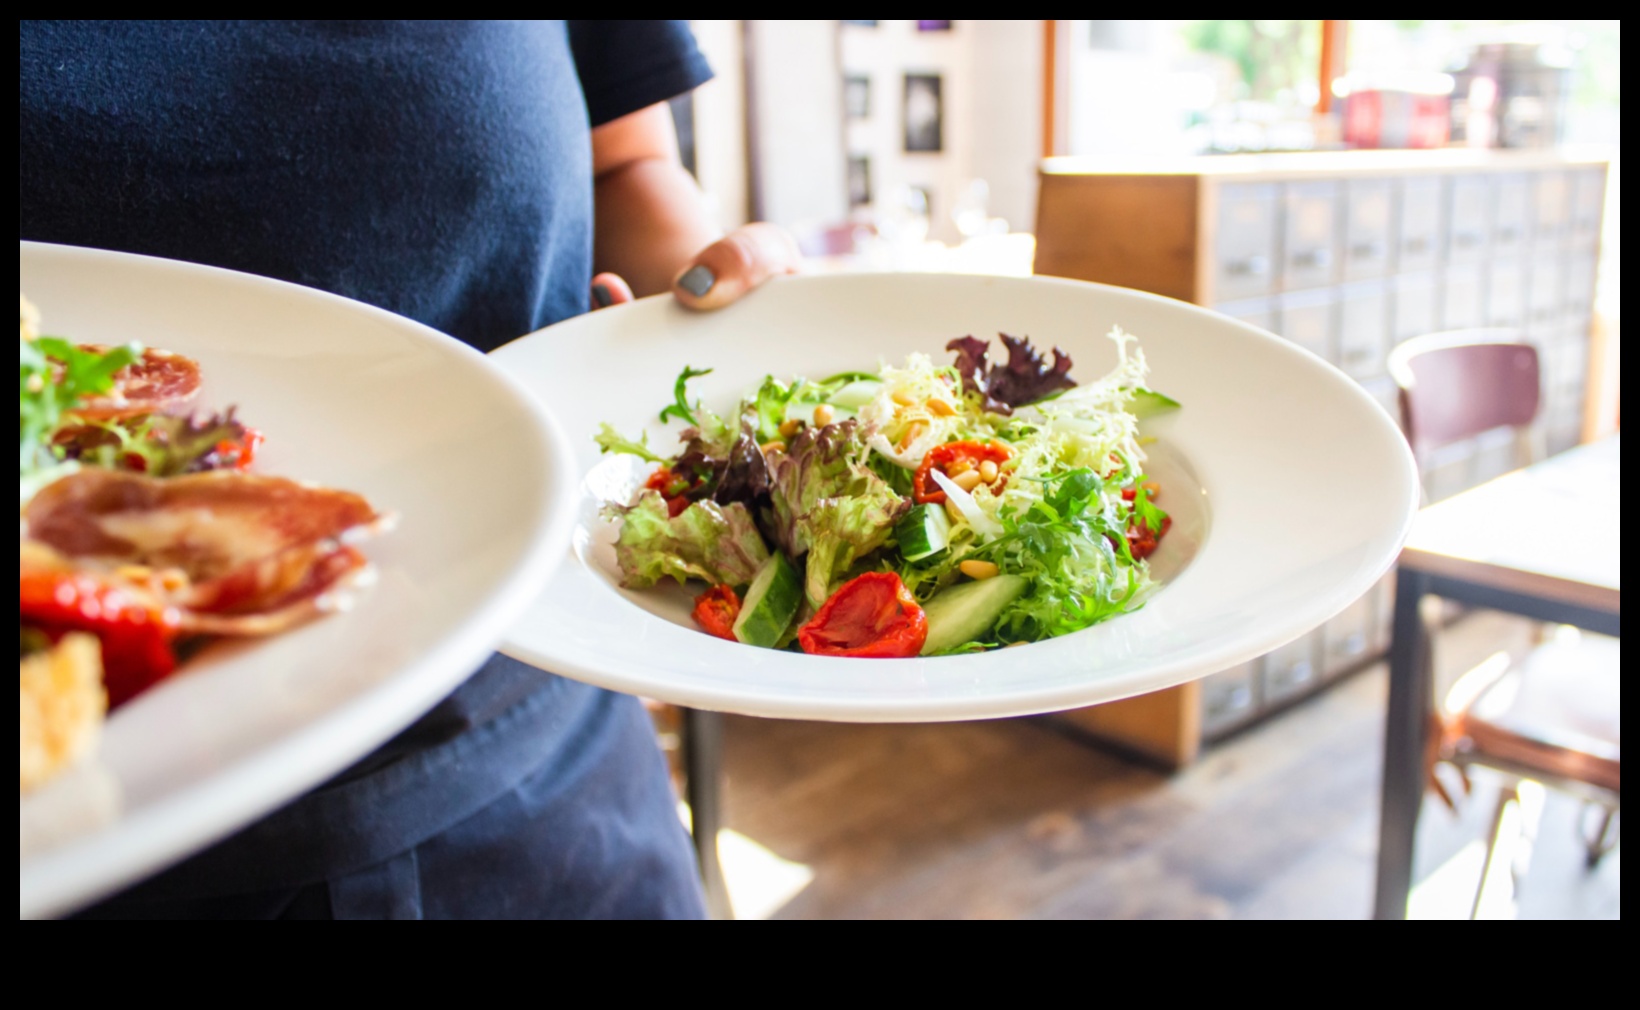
<point x="934" y="26"/>
<point x="857" y="96"/>
<point x="859" y="180"/>
<point x="924" y="114"/>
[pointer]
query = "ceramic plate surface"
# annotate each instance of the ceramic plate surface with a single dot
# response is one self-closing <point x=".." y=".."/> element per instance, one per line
<point x="1290" y="488"/>
<point x="349" y="397"/>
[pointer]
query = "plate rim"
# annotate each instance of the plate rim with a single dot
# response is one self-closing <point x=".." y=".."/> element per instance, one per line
<point x="178" y="823"/>
<point x="747" y="701"/>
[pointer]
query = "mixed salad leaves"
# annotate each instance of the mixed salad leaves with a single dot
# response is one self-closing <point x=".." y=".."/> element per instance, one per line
<point x="924" y="508"/>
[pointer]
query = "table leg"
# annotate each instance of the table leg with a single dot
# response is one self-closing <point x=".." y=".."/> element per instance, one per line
<point x="1406" y="732"/>
<point x="702" y="745"/>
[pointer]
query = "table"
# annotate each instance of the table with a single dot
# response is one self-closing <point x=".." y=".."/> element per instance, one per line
<point x="1542" y="542"/>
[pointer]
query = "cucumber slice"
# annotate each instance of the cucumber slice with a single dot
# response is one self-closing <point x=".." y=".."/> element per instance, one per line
<point x="1149" y="403"/>
<point x="923" y="533"/>
<point x="770" y="603"/>
<point x="965" y="612"/>
<point x="856" y="394"/>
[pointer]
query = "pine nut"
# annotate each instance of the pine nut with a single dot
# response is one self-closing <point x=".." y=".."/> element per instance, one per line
<point x="967" y="480"/>
<point x="979" y="569"/>
<point x="790" y="427"/>
<point x="773" y="446"/>
<point x="823" y="415"/>
<point x="952" y="511"/>
<point x="940" y="408"/>
<point x="902" y="397"/>
<point x="913" y="432"/>
<point x="1153" y="489"/>
<point x="987" y="471"/>
<point x="958" y="466"/>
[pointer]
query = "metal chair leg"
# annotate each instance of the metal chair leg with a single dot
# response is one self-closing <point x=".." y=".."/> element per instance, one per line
<point x="702" y="745"/>
<point x="1599" y="843"/>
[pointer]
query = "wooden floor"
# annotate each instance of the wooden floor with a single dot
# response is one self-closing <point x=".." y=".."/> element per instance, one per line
<point x="1013" y="819"/>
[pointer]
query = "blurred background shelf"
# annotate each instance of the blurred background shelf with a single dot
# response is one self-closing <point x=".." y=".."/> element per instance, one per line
<point x="1345" y="254"/>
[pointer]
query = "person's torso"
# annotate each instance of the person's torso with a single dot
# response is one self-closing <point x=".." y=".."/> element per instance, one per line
<point x="439" y="170"/>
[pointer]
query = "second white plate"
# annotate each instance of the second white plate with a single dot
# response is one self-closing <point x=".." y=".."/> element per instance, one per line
<point x="1291" y="491"/>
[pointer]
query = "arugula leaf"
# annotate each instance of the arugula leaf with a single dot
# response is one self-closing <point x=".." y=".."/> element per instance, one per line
<point x="610" y="440"/>
<point x="679" y="408"/>
<point x="1072" y="545"/>
<point x="54" y="375"/>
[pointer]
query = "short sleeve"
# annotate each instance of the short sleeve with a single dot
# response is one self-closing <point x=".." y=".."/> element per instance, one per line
<point x="625" y="66"/>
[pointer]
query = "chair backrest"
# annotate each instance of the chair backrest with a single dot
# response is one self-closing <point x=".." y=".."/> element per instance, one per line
<point x="1458" y="384"/>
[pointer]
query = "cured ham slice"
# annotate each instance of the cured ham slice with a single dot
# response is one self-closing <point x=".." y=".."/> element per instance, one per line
<point x="231" y="553"/>
<point x="160" y="383"/>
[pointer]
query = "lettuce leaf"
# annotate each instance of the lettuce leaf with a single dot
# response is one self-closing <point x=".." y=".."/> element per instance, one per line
<point x="705" y="541"/>
<point x="1026" y="378"/>
<point x="842" y="530"/>
<point x="828" y="503"/>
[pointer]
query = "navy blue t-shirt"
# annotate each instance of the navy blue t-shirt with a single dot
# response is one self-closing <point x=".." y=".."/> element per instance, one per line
<point x="443" y="171"/>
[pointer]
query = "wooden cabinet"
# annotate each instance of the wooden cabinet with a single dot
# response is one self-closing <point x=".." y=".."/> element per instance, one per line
<point x="1345" y="254"/>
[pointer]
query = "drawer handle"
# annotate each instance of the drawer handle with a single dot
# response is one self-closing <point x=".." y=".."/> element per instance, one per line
<point x="1250" y="266"/>
<point x="1237" y="699"/>
<point x="1367" y="250"/>
<point x="1311" y="259"/>
<point x="1509" y="234"/>
<point x="1416" y="245"/>
<point x="1467" y="239"/>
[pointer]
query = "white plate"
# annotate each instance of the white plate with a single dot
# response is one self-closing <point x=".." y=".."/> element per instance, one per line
<point x="350" y="397"/>
<point x="1291" y="491"/>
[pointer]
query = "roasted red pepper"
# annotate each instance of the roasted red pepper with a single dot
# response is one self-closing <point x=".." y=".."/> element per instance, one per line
<point x="957" y="456"/>
<point x="715" y="611"/>
<point x="135" y="632"/>
<point x="873" y="616"/>
<point x="673" y="487"/>
<point x="1142" y="541"/>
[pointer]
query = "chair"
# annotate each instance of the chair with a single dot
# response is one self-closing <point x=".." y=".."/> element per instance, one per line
<point x="1459" y="384"/>
<point x="1554" y="717"/>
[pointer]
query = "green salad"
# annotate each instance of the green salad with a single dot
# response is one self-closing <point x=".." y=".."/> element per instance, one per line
<point x="927" y="508"/>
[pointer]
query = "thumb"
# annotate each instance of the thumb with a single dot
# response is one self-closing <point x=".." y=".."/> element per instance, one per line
<point x="609" y="289"/>
<point x="735" y="264"/>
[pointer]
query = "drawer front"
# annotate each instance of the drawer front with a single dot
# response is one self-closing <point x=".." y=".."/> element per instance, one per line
<point x="1461" y="305"/>
<point x="1469" y="199"/>
<point x="1363" y="329"/>
<point x="1230" y="699"/>
<point x="1588" y="203"/>
<point x="1347" y="638"/>
<point x="1545" y="293"/>
<point x="1578" y="293"/>
<point x="1551" y="208"/>
<point x="1310" y="235"/>
<point x="1306" y="319"/>
<point x="1416" y="308"/>
<point x="1512" y="214"/>
<point x="1368" y="218"/>
<point x="1245" y="244"/>
<point x="1387" y="394"/>
<point x="1506" y="292"/>
<point x="1291" y="670"/>
<point x="1418" y="237"/>
<point x="1260" y="312"/>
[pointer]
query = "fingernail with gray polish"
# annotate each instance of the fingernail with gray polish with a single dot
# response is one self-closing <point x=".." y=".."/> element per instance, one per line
<point x="601" y="296"/>
<point x="697" y="280"/>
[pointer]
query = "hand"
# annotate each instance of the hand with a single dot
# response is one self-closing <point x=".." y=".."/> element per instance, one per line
<point x="720" y="273"/>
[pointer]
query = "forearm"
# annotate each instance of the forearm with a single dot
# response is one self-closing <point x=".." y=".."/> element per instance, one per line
<point x="651" y="219"/>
